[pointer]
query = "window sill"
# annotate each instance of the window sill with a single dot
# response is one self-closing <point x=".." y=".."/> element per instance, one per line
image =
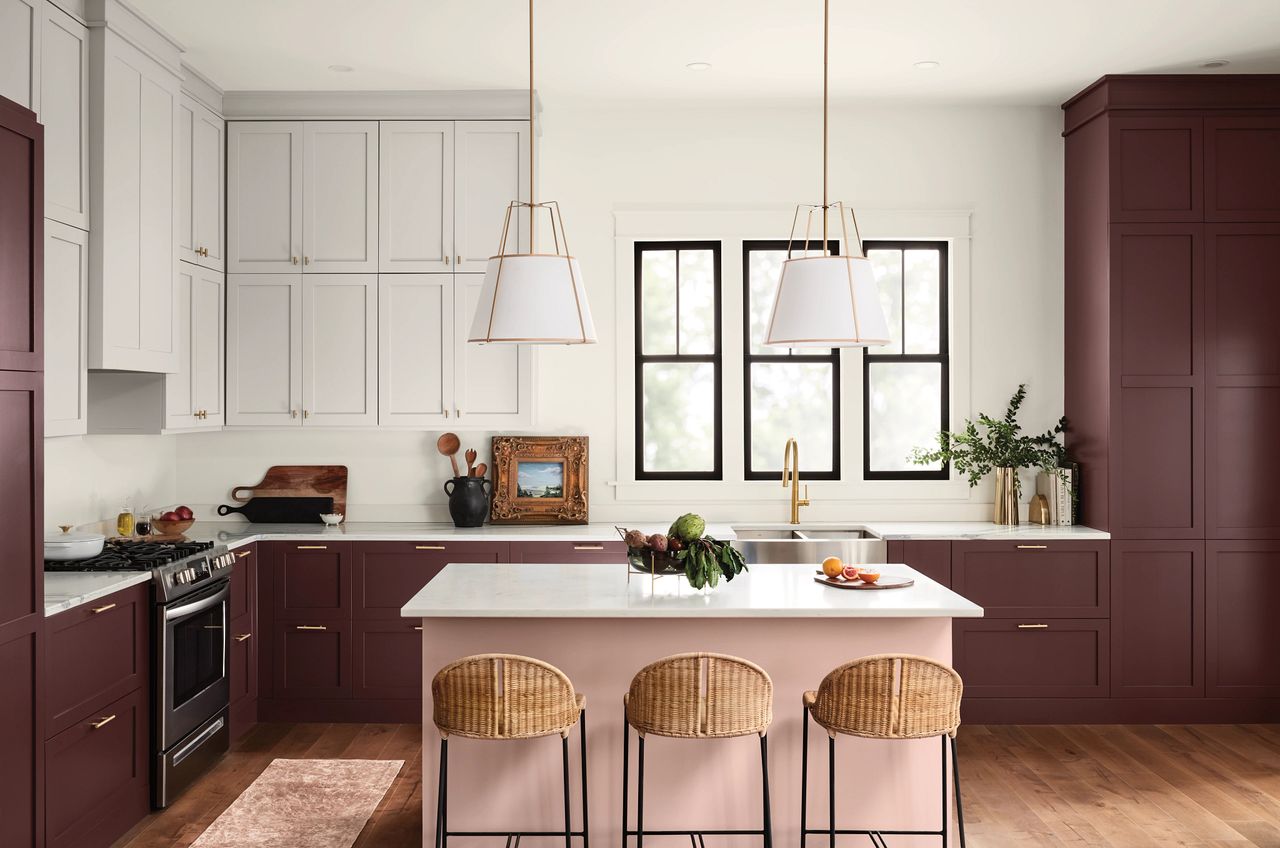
<point x="765" y="491"/>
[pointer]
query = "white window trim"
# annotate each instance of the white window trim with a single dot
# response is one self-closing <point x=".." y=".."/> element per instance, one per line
<point x="733" y="225"/>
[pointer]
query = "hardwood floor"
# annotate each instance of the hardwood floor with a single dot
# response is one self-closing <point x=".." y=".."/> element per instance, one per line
<point x="1200" y="786"/>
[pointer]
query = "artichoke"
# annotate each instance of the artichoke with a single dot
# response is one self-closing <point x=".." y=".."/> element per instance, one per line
<point x="688" y="527"/>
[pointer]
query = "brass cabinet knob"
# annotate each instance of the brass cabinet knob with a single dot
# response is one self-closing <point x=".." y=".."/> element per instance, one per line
<point x="306" y="260"/>
<point x="293" y="260"/>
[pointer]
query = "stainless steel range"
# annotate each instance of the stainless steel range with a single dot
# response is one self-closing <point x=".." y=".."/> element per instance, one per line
<point x="190" y="648"/>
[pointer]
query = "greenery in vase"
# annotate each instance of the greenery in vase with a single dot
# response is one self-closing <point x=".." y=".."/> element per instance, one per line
<point x="992" y="443"/>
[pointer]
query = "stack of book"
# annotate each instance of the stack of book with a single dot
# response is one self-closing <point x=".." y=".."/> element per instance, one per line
<point x="1058" y="490"/>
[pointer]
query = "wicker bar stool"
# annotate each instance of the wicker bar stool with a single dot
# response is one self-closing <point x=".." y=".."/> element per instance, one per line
<point x="500" y="697"/>
<point x="885" y="696"/>
<point x="696" y="696"/>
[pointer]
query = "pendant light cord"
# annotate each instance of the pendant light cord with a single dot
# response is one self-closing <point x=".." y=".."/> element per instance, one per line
<point x="531" y="131"/>
<point x="826" y="39"/>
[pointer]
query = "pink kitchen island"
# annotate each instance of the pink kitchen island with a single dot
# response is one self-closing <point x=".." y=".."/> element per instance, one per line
<point x="600" y="628"/>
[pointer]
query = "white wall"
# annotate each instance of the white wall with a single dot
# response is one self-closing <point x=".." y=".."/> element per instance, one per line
<point x="89" y="478"/>
<point x="1002" y="163"/>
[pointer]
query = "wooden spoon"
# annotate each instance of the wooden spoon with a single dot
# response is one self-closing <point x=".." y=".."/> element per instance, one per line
<point x="448" y="445"/>
<point x="480" y="470"/>
<point x="471" y="460"/>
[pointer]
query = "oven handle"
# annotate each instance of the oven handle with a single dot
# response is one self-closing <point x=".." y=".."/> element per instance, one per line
<point x="203" y="604"/>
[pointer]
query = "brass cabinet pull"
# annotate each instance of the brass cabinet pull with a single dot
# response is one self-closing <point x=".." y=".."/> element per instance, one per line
<point x="243" y="636"/>
<point x="417" y="627"/>
<point x="1033" y="627"/>
<point x="243" y="554"/>
<point x="458" y="260"/>
<point x="429" y="547"/>
<point x="306" y="260"/>
<point x="306" y="413"/>
<point x="102" y="722"/>
<point x="588" y="547"/>
<point x="446" y="413"/>
<point x="313" y="547"/>
<point x="446" y="260"/>
<point x="293" y="259"/>
<point x="97" y="610"/>
<point x="310" y="627"/>
<point x="1033" y="547"/>
<point x="293" y="413"/>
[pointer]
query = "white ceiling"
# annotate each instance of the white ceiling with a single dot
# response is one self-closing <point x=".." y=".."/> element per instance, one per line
<point x="1006" y="51"/>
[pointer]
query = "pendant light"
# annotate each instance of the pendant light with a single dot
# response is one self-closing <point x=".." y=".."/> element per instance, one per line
<point x="531" y="297"/>
<point x="824" y="300"/>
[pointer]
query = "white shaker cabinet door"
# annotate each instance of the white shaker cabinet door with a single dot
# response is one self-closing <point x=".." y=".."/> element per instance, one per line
<point x="264" y="349"/>
<point x="193" y="396"/>
<point x="491" y="169"/>
<point x="415" y="350"/>
<point x="415" y="196"/>
<point x="200" y="182"/>
<point x="184" y="197"/>
<point x="64" y="111"/>
<point x="340" y="197"/>
<point x="493" y="383"/>
<point x="340" y="350"/>
<point x="66" y="295"/>
<point x="179" y="405"/>
<point x="20" y="52"/>
<point x="264" y="196"/>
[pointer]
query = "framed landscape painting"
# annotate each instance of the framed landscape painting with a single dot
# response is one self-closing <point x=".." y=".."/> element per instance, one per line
<point x="539" y="480"/>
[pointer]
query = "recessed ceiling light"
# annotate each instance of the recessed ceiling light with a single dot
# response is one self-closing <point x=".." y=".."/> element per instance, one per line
<point x="698" y="66"/>
<point x="927" y="65"/>
<point x="1215" y="63"/>
<point x="341" y="69"/>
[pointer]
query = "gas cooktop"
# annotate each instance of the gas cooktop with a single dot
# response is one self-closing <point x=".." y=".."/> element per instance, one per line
<point x="131" y="555"/>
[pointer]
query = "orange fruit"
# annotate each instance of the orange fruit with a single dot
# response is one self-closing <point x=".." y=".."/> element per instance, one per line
<point x="832" y="566"/>
<point x="869" y="575"/>
<point x="851" y="572"/>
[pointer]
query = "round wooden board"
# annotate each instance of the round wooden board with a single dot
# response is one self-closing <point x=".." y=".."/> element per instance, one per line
<point x="885" y="582"/>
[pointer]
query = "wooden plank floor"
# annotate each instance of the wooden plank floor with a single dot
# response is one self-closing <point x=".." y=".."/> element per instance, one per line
<point x="1199" y="786"/>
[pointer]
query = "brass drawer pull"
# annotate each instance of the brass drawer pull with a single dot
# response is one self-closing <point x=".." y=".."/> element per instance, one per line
<point x="313" y="547"/>
<point x="102" y="722"/>
<point x="243" y="636"/>
<point x="417" y="627"/>
<point x="310" y="627"/>
<point x="243" y="554"/>
<point x="1033" y="547"/>
<point x="1033" y="627"/>
<point x="97" y="610"/>
<point x="588" y="547"/>
<point x="429" y="547"/>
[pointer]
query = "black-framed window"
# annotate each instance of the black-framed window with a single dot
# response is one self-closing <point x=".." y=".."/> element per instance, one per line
<point x="906" y="384"/>
<point x="678" y="362"/>
<point x="787" y="392"/>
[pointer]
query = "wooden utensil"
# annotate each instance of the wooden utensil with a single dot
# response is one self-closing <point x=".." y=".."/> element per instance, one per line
<point x="480" y="470"/>
<point x="448" y="445"/>
<point x="471" y="460"/>
<point x="299" y="481"/>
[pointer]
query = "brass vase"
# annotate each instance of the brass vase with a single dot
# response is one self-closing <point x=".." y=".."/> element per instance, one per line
<point x="1006" y="507"/>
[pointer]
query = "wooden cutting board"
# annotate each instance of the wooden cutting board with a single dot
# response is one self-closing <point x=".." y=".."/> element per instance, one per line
<point x="300" y="481"/>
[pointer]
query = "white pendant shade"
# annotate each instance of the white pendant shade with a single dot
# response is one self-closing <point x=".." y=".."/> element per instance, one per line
<point x="533" y="299"/>
<point x="827" y="301"/>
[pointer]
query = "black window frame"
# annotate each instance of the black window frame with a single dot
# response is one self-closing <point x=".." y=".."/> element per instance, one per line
<point x="942" y="358"/>
<point x="715" y="358"/>
<point x="749" y="358"/>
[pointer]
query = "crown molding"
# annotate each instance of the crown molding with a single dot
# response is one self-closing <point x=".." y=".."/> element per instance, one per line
<point x="505" y="104"/>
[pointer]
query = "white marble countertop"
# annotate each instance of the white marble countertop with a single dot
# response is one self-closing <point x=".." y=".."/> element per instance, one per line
<point x="979" y="530"/>
<point x="234" y="534"/>
<point x="500" y="590"/>
<point x="64" y="590"/>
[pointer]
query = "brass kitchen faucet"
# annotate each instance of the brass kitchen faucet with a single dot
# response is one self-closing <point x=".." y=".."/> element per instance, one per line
<point x="791" y="461"/>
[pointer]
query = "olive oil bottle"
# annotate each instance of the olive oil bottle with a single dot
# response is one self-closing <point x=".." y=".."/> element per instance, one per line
<point x="124" y="522"/>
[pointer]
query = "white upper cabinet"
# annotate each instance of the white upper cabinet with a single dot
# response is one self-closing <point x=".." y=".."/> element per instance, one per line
<point x="340" y="197"/>
<point x="415" y="196"/>
<point x="64" y="111"/>
<point x="264" y="349"/>
<point x="415" y="349"/>
<point x="491" y="169"/>
<point x="264" y="197"/>
<point x="193" y="395"/>
<point x="200" y="184"/>
<point x="493" y="384"/>
<point x="20" y="51"/>
<point x="340" y="350"/>
<point x="66" y="292"/>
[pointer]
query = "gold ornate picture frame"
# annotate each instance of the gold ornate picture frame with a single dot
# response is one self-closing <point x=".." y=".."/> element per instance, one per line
<point x="539" y="480"/>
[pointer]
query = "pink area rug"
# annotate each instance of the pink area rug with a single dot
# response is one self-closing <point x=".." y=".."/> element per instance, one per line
<point x="312" y="803"/>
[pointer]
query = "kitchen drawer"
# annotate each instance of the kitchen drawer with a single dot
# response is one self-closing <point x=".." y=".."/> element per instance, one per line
<point x="97" y="774"/>
<point x="1024" y="658"/>
<point x="385" y="575"/>
<point x="1037" y="579"/>
<point x="96" y="653"/>
<point x="388" y="659"/>
<point x="243" y="661"/>
<point x="244" y="582"/>
<point x="312" y="579"/>
<point x="602" y="552"/>
<point x="312" y="658"/>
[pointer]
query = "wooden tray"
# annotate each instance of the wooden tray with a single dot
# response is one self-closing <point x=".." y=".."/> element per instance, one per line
<point x="299" y="481"/>
<point x="886" y="581"/>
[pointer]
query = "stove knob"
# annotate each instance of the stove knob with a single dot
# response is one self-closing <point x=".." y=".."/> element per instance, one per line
<point x="179" y="578"/>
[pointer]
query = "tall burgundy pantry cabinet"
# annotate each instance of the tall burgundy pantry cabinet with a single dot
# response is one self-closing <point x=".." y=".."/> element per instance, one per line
<point x="21" y="455"/>
<point x="1173" y="381"/>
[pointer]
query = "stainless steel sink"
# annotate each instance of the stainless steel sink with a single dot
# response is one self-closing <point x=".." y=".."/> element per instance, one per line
<point x="806" y="544"/>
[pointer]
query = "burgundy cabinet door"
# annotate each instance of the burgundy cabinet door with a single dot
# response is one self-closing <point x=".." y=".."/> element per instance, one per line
<point x="1025" y="658"/>
<point x="388" y="659"/>
<point x="552" y="552"/>
<point x="21" y="734"/>
<point x="1034" y="579"/>
<point x="21" y="495"/>
<point x="21" y="239"/>
<point x="243" y="670"/>
<point x="244" y="582"/>
<point x="1242" y="168"/>
<point x="1157" y="619"/>
<point x="931" y="557"/>
<point x="1243" y="397"/>
<point x="385" y="575"/>
<point x="1242" y="628"/>
<point x="96" y="653"/>
<point x="312" y="658"/>
<point x="1157" y="169"/>
<point x="97" y="775"/>
<point x="313" y="579"/>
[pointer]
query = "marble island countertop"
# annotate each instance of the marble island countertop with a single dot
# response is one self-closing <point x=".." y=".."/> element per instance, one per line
<point x="64" y="590"/>
<point x="501" y="590"/>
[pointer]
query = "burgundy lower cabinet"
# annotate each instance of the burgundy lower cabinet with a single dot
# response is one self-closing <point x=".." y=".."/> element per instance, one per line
<point x="312" y="658"/>
<point x="312" y="579"/>
<point x="243" y="675"/>
<point x="1157" y="619"/>
<point x="244" y="582"/>
<point x="387" y="661"/>
<point x="1242" y="627"/>
<point x="588" y="552"/>
<point x="1032" y="580"/>
<point x="931" y="557"/>
<point x="386" y="575"/>
<point x="1021" y="658"/>
<point x="21" y="735"/>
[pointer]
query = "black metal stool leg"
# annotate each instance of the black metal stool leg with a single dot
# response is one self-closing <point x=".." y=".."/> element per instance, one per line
<point x="831" y="787"/>
<point x="440" y="795"/>
<point x="946" y="819"/>
<point x="582" y="747"/>
<point x="764" y="775"/>
<point x="955" y="766"/>
<point x="564" y="761"/>
<point x="640" y="793"/>
<point x="626" y="769"/>
<point x="804" y="779"/>
<point x="442" y="826"/>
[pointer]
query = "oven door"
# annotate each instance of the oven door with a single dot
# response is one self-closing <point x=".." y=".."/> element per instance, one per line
<point x="191" y="662"/>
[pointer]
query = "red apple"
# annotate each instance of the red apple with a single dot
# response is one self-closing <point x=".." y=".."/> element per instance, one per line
<point x="185" y="513"/>
<point x="171" y="516"/>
